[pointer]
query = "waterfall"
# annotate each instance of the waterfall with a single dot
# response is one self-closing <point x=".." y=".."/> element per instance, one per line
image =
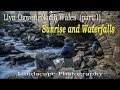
<point x="6" y="70"/>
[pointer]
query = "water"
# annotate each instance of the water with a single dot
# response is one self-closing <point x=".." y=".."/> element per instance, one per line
<point x="6" y="70"/>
